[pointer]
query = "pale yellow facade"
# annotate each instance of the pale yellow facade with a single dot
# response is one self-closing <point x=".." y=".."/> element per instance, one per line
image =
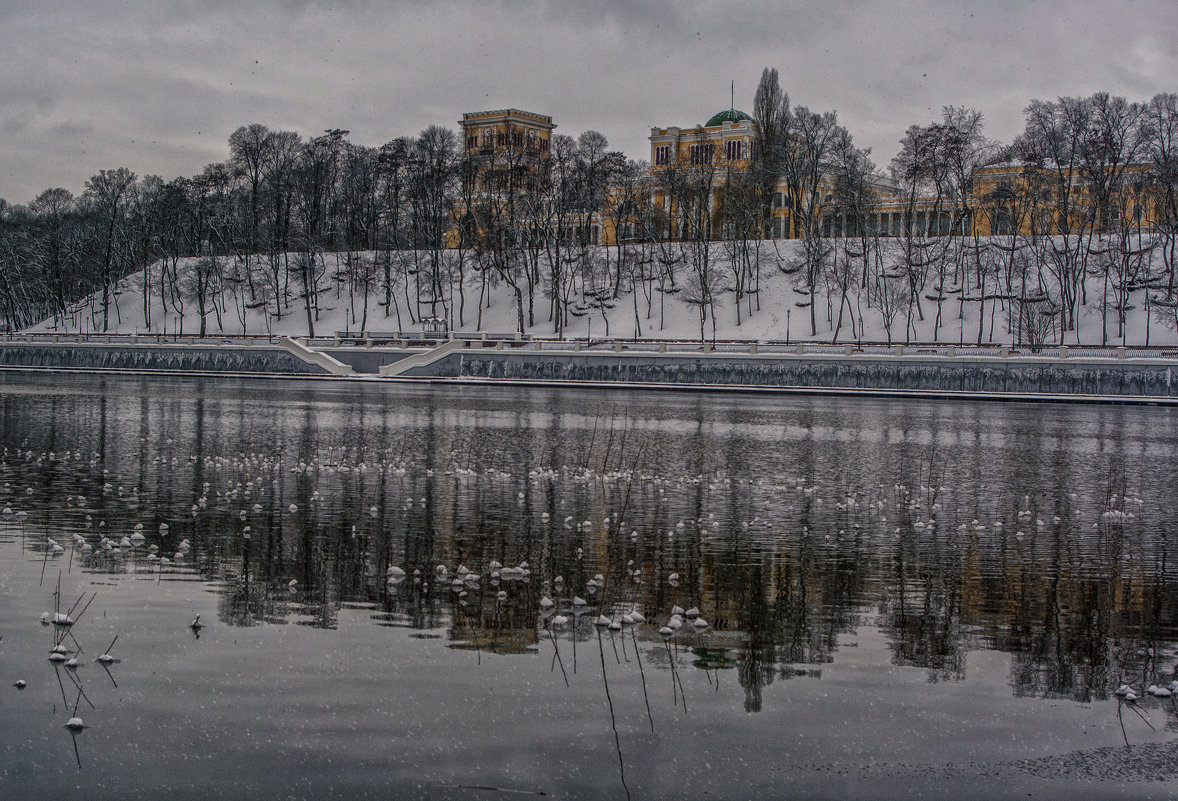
<point x="511" y="145"/>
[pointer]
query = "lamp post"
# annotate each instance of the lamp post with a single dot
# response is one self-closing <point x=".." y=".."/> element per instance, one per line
<point x="787" y="311"/>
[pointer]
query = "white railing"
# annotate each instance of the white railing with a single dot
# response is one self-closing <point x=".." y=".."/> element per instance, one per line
<point x="474" y="341"/>
<point x="312" y="356"/>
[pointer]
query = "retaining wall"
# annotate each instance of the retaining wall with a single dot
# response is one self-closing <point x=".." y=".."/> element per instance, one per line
<point x="368" y="360"/>
<point x="194" y="358"/>
<point x="938" y="374"/>
<point x="1135" y="378"/>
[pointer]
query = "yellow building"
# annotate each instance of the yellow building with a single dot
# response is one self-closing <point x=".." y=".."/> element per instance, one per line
<point x="698" y="184"/>
<point x="505" y="159"/>
<point x="506" y="145"/>
<point x="693" y="172"/>
<point x="1013" y="197"/>
<point x="1006" y="198"/>
<point x="726" y="139"/>
<point x="720" y="153"/>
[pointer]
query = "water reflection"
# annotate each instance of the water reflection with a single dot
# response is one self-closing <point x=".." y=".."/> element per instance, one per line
<point x="793" y="525"/>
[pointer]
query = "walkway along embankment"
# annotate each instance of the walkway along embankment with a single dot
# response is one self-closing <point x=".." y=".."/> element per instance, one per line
<point x="1110" y="374"/>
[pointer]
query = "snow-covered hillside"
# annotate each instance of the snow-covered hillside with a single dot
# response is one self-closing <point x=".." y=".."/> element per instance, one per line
<point x="955" y="305"/>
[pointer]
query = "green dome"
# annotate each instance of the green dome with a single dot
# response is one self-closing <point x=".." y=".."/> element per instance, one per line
<point x="727" y="115"/>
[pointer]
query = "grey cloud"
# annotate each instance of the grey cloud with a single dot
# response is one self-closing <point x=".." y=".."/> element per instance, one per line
<point x="176" y="79"/>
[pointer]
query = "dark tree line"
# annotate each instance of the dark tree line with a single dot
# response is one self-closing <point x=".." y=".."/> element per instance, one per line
<point x="406" y="225"/>
<point x="1080" y="213"/>
<point x="288" y="228"/>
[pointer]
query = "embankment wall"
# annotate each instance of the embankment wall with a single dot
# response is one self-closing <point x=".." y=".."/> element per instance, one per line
<point x="1128" y="378"/>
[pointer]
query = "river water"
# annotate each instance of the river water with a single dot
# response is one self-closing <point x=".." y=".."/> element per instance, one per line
<point x="893" y="597"/>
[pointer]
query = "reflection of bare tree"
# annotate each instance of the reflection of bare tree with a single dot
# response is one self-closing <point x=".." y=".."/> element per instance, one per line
<point x="757" y="663"/>
<point x="922" y="610"/>
<point x="774" y="541"/>
<point x="245" y="604"/>
<point x="1084" y="617"/>
<point x="1060" y="644"/>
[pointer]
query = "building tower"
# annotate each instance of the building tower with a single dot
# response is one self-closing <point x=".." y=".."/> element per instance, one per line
<point x="506" y="148"/>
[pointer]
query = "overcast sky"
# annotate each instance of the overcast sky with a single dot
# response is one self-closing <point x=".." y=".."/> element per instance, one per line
<point x="158" y="86"/>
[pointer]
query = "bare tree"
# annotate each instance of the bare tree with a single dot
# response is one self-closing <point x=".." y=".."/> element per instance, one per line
<point x="922" y="168"/>
<point x="393" y="173"/>
<point x="280" y="172"/>
<point x="560" y="196"/>
<point x="772" y="116"/>
<point x="1050" y="147"/>
<point x="317" y="174"/>
<point x="694" y="209"/>
<point x="54" y="210"/>
<point x="249" y="149"/>
<point x="596" y="169"/>
<point x="854" y="194"/>
<point x="1161" y="144"/>
<point x="807" y="148"/>
<point x="107" y="193"/>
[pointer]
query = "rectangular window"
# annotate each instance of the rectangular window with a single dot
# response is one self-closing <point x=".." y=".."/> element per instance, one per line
<point x="701" y="154"/>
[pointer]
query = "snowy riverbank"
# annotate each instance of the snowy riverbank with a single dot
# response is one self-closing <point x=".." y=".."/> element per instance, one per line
<point x="996" y="299"/>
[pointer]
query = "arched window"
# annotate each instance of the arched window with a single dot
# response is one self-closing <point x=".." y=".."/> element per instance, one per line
<point x="1003" y="221"/>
